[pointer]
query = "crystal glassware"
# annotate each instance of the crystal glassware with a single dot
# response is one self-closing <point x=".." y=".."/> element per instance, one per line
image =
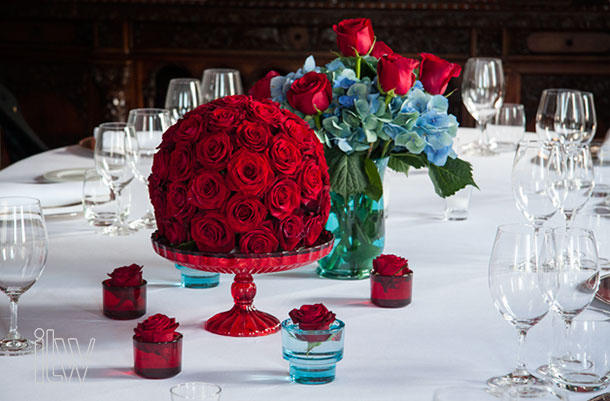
<point x="469" y="393"/>
<point x="99" y="201"/>
<point x="124" y="303"/>
<point x="157" y="360"/>
<point x="530" y="181"/>
<point x="590" y="117"/>
<point x="540" y="392"/>
<point x="23" y="253"/>
<point x="560" y="116"/>
<point x="220" y="82"/>
<point x="183" y="95"/>
<point x="597" y="219"/>
<point x="483" y="95"/>
<point x="458" y="204"/>
<point x="114" y="146"/>
<point x="193" y="278"/>
<point x="243" y="320"/>
<point x="312" y="354"/>
<point x="391" y="291"/>
<point x="196" y="391"/>
<point x="149" y="126"/>
<point x="508" y="127"/>
<point x="515" y="290"/>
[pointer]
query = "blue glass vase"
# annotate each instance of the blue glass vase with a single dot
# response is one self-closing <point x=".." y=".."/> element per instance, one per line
<point x="312" y="354"/>
<point x="358" y="224"/>
<point x="192" y="278"/>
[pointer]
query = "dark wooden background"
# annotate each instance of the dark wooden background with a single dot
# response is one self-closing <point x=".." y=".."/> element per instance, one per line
<point x="75" y="64"/>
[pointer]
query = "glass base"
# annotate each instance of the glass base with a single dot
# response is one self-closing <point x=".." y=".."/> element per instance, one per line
<point x="478" y="149"/>
<point x="11" y="347"/>
<point x="580" y="382"/>
<point x="243" y="322"/>
<point x="514" y="380"/>
<point x="192" y="278"/>
<point x="320" y="374"/>
<point x="115" y="230"/>
<point x="343" y="274"/>
<point x="146" y="221"/>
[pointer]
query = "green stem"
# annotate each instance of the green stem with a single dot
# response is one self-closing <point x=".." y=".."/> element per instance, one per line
<point x="385" y="149"/>
<point x="358" y="65"/>
<point x="316" y="119"/>
<point x="388" y="99"/>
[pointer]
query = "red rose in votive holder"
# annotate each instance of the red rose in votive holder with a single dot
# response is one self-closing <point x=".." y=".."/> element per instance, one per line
<point x="124" y="293"/>
<point x="157" y="347"/>
<point x="314" y="317"/>
<point x="391" y="282"/>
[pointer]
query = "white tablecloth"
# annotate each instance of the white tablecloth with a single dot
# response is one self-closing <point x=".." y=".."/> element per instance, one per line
<point x="450" y="335"/>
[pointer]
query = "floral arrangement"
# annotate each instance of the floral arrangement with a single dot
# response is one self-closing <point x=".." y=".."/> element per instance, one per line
<point x="157" y="329"/>
<point x="315" y="318"/>
<point x="240" y="175"/>
<point x="391" y="265"/>
<point x="126" y="276"/>
<point x="371" y="103"/>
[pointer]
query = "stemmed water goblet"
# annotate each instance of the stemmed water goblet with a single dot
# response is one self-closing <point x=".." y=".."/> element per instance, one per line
<point x="516" y="292"/>
<point x="561" y="116"/>
<point x="183" y="95"/>
<point x="149" y="126"/>
<point x="23" y="253"/>
<point x="115" y="145"/>
<point x="220" y="82"/>
<point x="482" y="95"/>
<point x="590" y="124"/>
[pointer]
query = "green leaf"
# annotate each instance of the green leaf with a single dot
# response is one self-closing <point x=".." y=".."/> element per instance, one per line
<point x="187" y="246"/>
<point x="368" y="68"/>
<point x="347" y="176"/>
<point x="450" y="178"/>
<point x="375" y="187"/>
<point x="401" y="162"/>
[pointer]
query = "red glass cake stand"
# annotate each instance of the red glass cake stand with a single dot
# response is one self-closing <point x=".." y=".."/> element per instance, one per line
<point x="243" y="320"/>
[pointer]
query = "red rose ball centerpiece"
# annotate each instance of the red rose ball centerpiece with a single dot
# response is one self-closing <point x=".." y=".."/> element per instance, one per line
<point x="241" y="186"/>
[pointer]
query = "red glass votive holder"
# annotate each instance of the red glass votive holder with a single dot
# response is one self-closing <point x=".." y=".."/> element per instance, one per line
<point x="391" y="291"/>
<point x="157" y="360"/>
<point x="123" y="303"/>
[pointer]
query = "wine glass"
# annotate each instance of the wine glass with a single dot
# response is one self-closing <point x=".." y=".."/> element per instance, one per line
<point x="560" y="116"/>
<point x="23" y="253"/>
<point x="508" y="127"/>
<point x="590" y="124"/>
<point x="183" y="95"/>
<point x="571" y="267"/>
<point x="114" y="144"/>
<point x="530" y="178"/>
<point x="220" y="82"/>
<point x="149" y="125"/>
<point x="469" y="393"/>
<point x="571" y="178"/>
<point x="515" y="290"/>
<point x="483" y="95"/>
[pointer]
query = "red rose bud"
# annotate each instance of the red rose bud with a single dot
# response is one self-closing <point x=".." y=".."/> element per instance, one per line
<point x="208" y="190"/>
<point x="310" y="93"/>
<point x="259" y="240"/>
<point x="396" y="72"/>
<point x="253" y="135"/>
<point x="354" y="35"/>
<point x="261" y="89"/>
<point x="284" y="155"/>
<point x="312" y="317"/>
<point x="214" y="150"/>
<point x="248" y="172"/>
<point x="245" y="212"/>
<point x="157" y="329"/>
<point x="391" y="265"/>
<point x="283" y="198"/>
<point x="381" y="49"/>
<point x="435" y="73"/>
<point x="290" y="232"/>
<point x="126" y="276"/>
<point x="211" y="234"/>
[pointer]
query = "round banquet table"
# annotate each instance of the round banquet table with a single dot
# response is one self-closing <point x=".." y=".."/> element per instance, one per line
<point x="450" y="335"/>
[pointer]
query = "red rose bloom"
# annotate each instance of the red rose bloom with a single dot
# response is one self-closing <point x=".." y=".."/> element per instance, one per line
<point x="381" y="49"/>
<point x="208" y="190"/>
<point x="435" y="73"/>
<point x="180" y="162"/>
<point x="391" y="265"/>
<point x="259" y="240"/>
<point x="174" y="230"/>
<point x="284" y="155"/>
<point x="310" y="180"/>
<point x="310" y="93"/>
<point x="265" y="111"/>
<point x="190" y="129"/>
<point x="290" y="232"/>
<point x="396" y="72"/>
<point x="235" y="102"/>
<point x="160" y="167"/>
<point x="283" y="198"/>
<point x="211" y="234"/>
<point x="354" y="35"/>
<point x="224" y="119"/>
<point x="126" y="276"/>
<point x="177" y="204"/>
<point x="302" y="134"/>
<point x="213" y="151"/>
<point x="313" y="228"/>
<point x="261" y="89"/>
<point x="245" y="213"/>
<point x="254" y="136"/>
<point x="157" y="329"/>
<point x="248" y="172"/>
<point x="312" y="317"/>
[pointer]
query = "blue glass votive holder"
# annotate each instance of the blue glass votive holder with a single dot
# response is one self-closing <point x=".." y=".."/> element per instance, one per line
<point x="312" y="354"/>
<point x="192" y="278"/>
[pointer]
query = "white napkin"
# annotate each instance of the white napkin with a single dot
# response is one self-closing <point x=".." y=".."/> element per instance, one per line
<point x="50" y="195"/>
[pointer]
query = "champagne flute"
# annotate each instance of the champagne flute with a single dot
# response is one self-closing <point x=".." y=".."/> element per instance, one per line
<point x="483" y="95"/>
<point x="114" y="144"/>
<point x="220" y="82"/>
<point x="571" y="178"/>
<point x="23" y="253"/>
<point x="149" y="125"/>
<point x="515" y="290"/>
<point x="183" y="95"/>
<point x="590" y="124"/>
<point x="530" y="179"/>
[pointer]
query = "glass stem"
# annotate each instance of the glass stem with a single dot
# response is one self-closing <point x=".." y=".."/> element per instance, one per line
<point x="566" y="338"/>
<point x="119" y="215"/>
<point x="521" y="370"/>
<point x="13" y="334"/>
<point x="568" y="216"/>
<point x="484" y="140"/>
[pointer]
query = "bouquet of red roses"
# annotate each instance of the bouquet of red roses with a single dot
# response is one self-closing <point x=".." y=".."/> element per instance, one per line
<point x="239" y="175"/>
